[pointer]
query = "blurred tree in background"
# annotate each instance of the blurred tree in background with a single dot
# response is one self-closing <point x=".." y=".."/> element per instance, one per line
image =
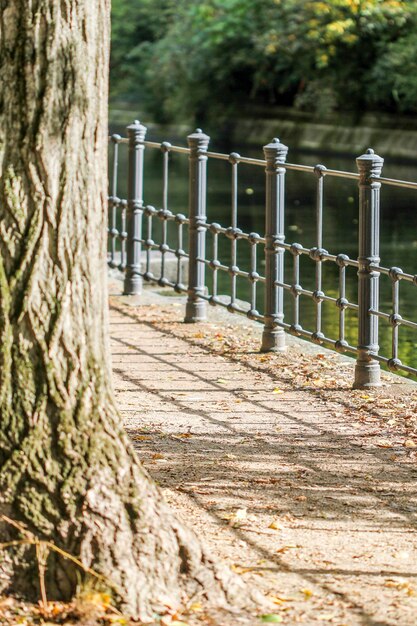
<point x="202" y="58"/>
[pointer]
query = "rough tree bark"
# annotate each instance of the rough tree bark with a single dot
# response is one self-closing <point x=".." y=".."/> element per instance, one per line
<point x="67" y="469"/>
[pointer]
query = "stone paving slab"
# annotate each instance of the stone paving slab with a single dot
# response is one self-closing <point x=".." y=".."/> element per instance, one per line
<point x="287" y="482"/>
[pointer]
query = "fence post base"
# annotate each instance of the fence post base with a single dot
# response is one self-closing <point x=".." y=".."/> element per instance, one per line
<point x="273" y="340"/>
<point x="195" y="311"/>
<point x="132" y="285"/>
<point x="367" y="374"/>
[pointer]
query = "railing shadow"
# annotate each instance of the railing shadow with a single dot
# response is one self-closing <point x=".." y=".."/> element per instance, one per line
<point x="319" y="460"/>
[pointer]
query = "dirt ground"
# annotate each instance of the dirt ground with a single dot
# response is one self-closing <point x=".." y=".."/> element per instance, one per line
<point x="306" y="488"/>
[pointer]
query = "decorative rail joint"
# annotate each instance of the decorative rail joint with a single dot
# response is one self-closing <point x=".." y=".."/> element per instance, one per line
<point x="273" y="337"/>
<point x="367" y="370"/>
<point x="196" y="307"/>
<point x="133" y="277"/>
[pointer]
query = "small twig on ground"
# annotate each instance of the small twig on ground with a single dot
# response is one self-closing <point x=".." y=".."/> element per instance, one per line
<point x="42" y="551"/>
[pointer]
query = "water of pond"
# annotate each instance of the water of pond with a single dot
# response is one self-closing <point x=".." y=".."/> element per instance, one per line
<point x="340" y="229"/>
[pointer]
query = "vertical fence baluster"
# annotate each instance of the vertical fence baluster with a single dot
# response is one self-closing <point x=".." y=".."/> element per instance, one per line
<point x="318" y="294"/>
<point x="232" y="233"/>
<point x="273" y="337"/>
<point x="114" y="201"/>
<point x="253" y="274"/>
<point x="367" y="370"/>
<point x="342" y="302"/>
<point x="296" y="288"/>
<point x="133" y="280"/>
<point x="150" y="211"/>
<point x="179" y="219"/>
<point x="164" y="247"/>
<point x="395" y="318"/>
<point x="123" y="237"/>
<point x="196" y="307"/>
<point x="215" y="261"/>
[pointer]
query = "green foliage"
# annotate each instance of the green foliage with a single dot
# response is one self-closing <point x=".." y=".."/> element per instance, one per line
<point x="192" y="57"/>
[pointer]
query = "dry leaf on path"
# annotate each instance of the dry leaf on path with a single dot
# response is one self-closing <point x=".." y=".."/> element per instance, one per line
<point x="275" y="525"/>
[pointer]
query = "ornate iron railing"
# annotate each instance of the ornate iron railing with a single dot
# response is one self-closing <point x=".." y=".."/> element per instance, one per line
<point x="131" y="233"/>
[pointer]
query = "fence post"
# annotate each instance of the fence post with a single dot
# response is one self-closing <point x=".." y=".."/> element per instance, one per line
<point x="273" y="337"/>
<point x="133" y="280"/>
<point x="196" y="307"/>
<point x="367" y="370"/>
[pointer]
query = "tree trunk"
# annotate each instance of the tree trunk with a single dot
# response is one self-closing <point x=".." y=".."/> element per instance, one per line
<point x="67" y="469"/>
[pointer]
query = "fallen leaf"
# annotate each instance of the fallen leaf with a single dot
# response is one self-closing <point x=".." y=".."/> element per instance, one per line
<point x="285" y="548"/>
<point x="307" y="593"/>
<point x="276" y="390"/>
<point x="402" y="554"/>
<point x="239" y="569"/>
<point x="401" y="585"/>
<point x="409" y="443"/>
<point x="327" y="617"/>
<point x="275" y="525"/>
<point x="241" y="514"/>
<point x="141" y="437"/>
<point x="279" y="600"/>
<point x="271" y="618"/>
<point x="384" y="443"/>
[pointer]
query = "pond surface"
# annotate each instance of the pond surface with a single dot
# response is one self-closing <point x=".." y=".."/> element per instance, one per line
<point x="340" y="229"/>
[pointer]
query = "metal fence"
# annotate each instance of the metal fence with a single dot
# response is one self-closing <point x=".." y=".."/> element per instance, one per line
<point x="131" y="231"/>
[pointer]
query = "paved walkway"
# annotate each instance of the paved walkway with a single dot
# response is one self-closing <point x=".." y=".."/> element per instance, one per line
<point x="306" y="488"/>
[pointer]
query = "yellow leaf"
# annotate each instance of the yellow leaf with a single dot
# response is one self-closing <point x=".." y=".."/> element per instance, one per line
<point x="307" y="593"/>
<point x="276" y="390"/>
<point x="288" y="547"/>
<point x="279" y="600"/>
<point x="196" y="606"/>
<point x="239" y="569"/>
<point x="102" y="600"/>
<point x="275" y="525"/>
<point x="221" y="380"/>
<point x="409" y="443"/>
